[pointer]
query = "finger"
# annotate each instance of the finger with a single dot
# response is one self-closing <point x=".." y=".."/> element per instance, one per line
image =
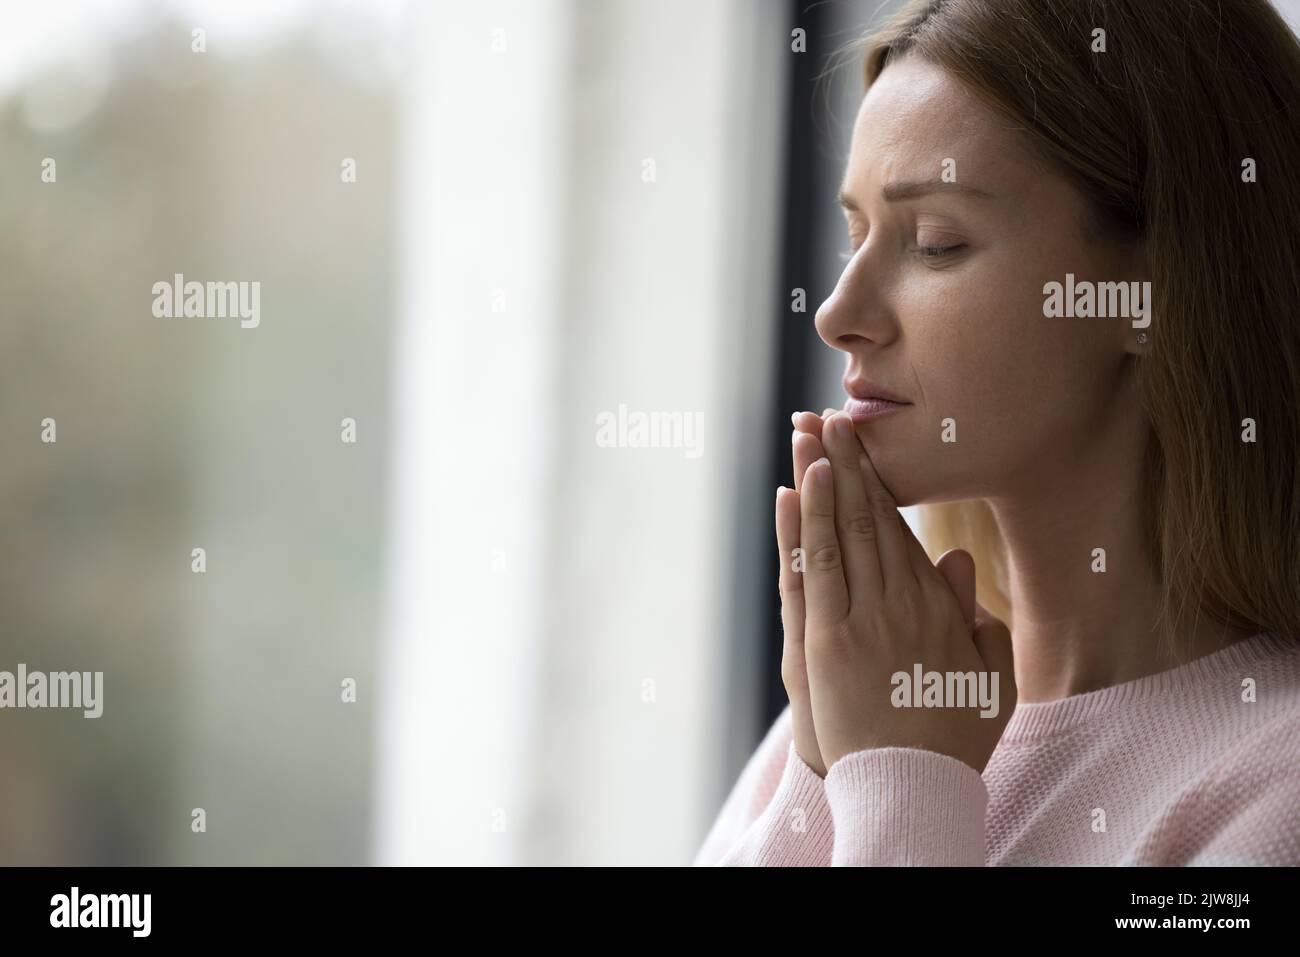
<point x="790" y="581"/>
<point x="826" y="596"/>
<point x="854" y="522"/>
<point x="958" y="569"/>
<point x="891" y="542"/>
<point x="953" y="578"/>
<point x="809" y="422"/>
<point x="993" y="642"/>
<point x="916" y="553"/>
<point x="794" y="664"/>
<point x="806" y="449"/>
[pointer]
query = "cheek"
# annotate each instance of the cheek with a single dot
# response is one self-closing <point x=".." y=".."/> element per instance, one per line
<point x="991" y="354"/>
<point x="979" y="349"/>
<point x="1015" y="384"/>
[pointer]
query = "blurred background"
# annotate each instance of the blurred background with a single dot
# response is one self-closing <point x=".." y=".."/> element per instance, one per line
<point x="492" y="239"/>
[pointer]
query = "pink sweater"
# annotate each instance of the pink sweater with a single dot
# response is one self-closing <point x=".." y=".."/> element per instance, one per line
<point x="1171" y="769"/>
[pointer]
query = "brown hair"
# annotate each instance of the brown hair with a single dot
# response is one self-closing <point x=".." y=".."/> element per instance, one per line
<point x="1155" y="133"/>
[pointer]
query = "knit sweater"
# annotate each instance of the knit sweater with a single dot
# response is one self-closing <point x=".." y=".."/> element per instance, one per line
<point x="1176" y="768"/>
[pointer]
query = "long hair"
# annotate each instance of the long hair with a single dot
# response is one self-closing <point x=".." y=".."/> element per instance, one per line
<point x="1178" y="125"/>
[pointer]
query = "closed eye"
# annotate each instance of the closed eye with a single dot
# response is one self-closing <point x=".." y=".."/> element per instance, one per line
<point x="925" y="252"/>
<point x="939" y="252"/>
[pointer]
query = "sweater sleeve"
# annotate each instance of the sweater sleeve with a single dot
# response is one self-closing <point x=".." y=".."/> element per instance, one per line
<point x="906" y="806"/>
<point x="776" y="814"/>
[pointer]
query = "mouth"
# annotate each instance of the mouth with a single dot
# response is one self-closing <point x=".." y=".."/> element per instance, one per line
<point x="867" y="401"/>
<point x="867" y="409"/>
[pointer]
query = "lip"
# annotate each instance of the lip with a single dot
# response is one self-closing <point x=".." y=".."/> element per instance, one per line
<point x="867" y="401"/>
<point x="863" y="410"/>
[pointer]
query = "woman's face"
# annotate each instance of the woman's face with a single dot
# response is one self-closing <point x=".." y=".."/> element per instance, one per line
<point x="941" y="303"/>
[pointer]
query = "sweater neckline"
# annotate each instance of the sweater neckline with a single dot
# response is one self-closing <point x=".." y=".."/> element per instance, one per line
<point x="1036" y="720"/>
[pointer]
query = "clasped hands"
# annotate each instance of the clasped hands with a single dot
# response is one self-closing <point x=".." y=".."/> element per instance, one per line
<point x="861" y="602"/>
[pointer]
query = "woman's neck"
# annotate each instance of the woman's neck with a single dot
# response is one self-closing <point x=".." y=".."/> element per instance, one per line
<point x="1077" y="628"/>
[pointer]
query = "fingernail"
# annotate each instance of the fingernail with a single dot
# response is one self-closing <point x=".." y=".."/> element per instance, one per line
<point x="843" y="427"/>
<point x="820" y="475"/>
<point x="794" y="419"/>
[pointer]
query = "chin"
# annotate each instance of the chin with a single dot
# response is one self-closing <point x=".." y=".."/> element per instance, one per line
<point x="916" y="473"/>
<point x="912" y="480"/>
<point x="903" y="483"/>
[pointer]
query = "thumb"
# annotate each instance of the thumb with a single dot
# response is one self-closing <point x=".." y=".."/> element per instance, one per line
<point x="993" y="642"/>
<point x="958" y="569"/>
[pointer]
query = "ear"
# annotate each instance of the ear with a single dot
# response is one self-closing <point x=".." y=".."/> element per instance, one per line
<point x="1137" y="330"/>
<point x="1142" y="312"/>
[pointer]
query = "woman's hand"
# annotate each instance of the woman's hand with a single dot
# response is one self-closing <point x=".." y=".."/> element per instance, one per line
<point x="806" y="448"/>
<point x="874" y="605"/>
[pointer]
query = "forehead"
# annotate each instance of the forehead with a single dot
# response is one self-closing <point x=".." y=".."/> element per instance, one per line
<point x="916" y="115"/>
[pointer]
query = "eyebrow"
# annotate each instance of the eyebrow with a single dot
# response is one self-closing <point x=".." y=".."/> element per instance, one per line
<point x="896" y="192"/>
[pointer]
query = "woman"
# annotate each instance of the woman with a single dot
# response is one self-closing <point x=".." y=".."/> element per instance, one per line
<point x="1069" y="317"/>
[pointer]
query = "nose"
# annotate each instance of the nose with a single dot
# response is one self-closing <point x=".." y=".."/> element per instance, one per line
<point x="856" y="312"/>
